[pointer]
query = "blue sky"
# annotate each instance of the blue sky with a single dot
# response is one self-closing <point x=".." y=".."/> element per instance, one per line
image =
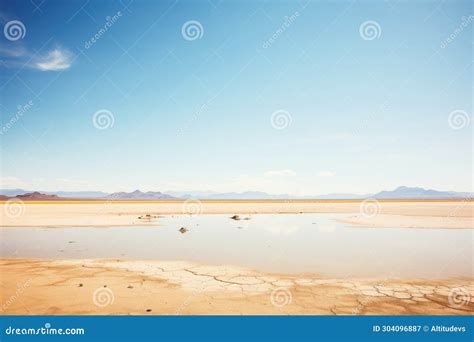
<point x="361" y="110"/>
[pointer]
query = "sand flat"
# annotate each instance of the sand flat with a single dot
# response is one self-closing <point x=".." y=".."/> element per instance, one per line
<point x="181" y="288"/>
<point x="139" y="287"/>
<point x="401" y="214"/>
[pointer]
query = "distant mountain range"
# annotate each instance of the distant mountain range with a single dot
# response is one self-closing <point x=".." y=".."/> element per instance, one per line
<point x="33" y="196"/>
<point x="401" y="192"/>
<point x="71" y="194"/>
<point x="138" y="195"/>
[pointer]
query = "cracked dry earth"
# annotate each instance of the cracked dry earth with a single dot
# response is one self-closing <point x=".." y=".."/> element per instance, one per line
<point x="157" y="287"/>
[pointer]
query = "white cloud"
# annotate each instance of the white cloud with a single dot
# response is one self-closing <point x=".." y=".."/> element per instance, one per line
<point x="325" y="174"/>
<point x="12" y="183"/>
<point x="55" y="60"/>
<point x="64" y="180"/>
<point x="280" y="173"/>
<point x="17" y="51"/>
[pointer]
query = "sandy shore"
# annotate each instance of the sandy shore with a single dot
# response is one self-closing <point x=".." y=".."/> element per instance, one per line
<point x="162" y="287"/>
<point x="182" y="288"/>
<point x="400" y="214"/>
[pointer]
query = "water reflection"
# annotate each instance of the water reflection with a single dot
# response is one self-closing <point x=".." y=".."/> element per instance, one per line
<point x="277" y="243"/>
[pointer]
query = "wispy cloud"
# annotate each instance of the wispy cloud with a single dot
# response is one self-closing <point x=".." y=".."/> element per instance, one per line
<point x="17" y="51"/>
<point x="55" y="60"/>
<point x="325" y="174"/>
<point x="12" y="183"/>
<point x="280" y="173"/>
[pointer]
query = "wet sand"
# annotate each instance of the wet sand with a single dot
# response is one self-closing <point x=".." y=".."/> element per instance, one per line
<point x="399" y="214"/>
<point x="119" y="287"/>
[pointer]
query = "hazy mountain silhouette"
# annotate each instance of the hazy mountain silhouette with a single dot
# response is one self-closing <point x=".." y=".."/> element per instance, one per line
<point x="402" y="192"/>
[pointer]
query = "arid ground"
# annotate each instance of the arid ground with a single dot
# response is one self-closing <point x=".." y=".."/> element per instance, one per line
<point x="391" y="213"/>
<point x="119" y="286"/>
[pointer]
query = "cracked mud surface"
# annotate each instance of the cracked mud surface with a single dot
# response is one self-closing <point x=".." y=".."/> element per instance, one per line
<point x="158" y="287"/>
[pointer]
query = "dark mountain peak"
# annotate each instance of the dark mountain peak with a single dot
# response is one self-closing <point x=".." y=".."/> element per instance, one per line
<point x="37" y="196"/>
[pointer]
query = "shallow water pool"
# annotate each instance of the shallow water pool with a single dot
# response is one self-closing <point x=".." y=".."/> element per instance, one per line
<point x="288" y="243"/>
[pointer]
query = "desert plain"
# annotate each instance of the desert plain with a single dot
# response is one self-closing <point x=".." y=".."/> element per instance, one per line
<point x="123" y="286"/>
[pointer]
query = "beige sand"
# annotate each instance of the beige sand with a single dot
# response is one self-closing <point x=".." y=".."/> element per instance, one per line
<point x="401" y="214"/>
<point x="181" y="288"/>
<point x="157" y="287"/>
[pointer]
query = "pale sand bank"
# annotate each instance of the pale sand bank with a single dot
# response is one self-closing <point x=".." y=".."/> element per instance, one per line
<point x="182" y="288"/>
<point x="400" y="214"/>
